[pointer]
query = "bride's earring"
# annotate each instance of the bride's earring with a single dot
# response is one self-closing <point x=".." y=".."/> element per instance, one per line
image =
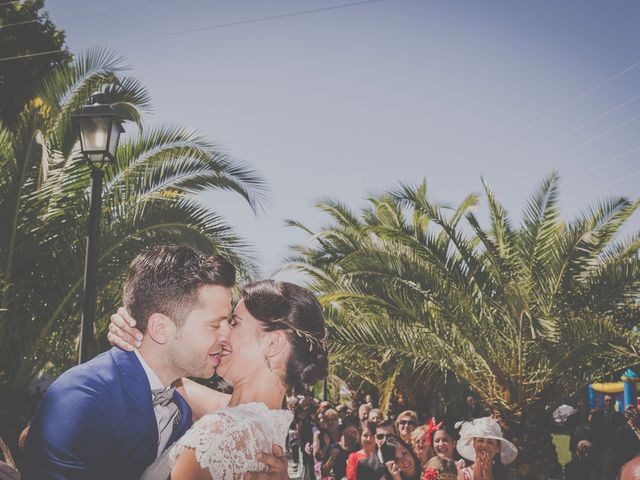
<point x="267" y="362"/>
<point x="266" y="358"/>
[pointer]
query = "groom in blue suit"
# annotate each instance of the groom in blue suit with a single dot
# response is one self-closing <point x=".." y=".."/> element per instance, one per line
<point x="113" y="416"/>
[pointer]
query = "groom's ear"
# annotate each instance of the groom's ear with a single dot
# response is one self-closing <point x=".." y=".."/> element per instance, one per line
<point x="277" y="343"/>
<point x="160" y="328"/>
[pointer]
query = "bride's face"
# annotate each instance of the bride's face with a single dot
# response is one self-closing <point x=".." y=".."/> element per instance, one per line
<point x="243" y="351"/>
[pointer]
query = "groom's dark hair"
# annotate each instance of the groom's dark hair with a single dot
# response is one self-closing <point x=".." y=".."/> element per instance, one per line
<point x="166" y="280"/>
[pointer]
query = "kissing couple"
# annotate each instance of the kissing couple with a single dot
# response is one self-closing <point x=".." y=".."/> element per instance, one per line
<point x="127" y="414"/>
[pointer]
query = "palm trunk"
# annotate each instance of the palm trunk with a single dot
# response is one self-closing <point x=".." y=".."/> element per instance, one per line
<point x="537" y="457"/>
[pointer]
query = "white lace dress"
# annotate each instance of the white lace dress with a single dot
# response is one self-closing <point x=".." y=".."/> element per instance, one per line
<point x="226" y="441"/>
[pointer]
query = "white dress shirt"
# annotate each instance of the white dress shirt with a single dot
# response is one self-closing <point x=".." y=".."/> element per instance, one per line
<point x="164" y="415"/>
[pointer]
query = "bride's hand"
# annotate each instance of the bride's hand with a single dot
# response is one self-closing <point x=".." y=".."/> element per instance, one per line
<point x="277" y="463"/>
<point x="122" y="331"/>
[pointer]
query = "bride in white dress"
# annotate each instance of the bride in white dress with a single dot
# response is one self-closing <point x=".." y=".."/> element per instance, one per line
<point x="279" y="329"/>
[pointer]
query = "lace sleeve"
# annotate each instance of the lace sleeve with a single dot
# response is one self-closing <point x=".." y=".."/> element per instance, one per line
<point x="226" y="443"/>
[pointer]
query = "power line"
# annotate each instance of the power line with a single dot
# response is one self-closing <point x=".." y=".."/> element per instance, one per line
<point x="262" y="19"/>
<point x="208" y="27"/>
<point x="594" y="120"/>
<point x="580" y="97"/>
<point x="608" y="162"/>
<point x="619" y="180"/>
<point x="599" y="135"/>
<point x="584" y="94"/>
<point x="84" y="12"/>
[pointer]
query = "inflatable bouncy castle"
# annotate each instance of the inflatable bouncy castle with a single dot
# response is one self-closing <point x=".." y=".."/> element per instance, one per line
<point x="624" y="392"/>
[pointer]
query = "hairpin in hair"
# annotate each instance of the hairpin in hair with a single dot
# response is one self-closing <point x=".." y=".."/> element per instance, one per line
<point x="310" y="338"/>
<point x="431" y="427"/>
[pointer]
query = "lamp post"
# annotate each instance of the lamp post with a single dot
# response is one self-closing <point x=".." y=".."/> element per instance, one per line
<point x="99" y="134"/>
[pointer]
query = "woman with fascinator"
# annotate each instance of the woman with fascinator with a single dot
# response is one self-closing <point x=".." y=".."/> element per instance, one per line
<point x="420" y="442"/>
<point x="442" y="442"/>
<point x="274" y="342"/>
<point x="482" y="442"/>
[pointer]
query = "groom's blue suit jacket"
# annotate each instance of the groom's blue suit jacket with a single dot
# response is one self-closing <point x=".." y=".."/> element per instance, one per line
<point x="96" y="421"/>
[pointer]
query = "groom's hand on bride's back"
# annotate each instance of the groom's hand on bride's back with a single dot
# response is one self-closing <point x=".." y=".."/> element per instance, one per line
<point x="123" y="332"/>
<point x="277" y="463"/>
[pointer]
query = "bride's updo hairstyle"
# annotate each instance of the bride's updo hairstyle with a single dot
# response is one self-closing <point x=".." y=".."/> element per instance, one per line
<point x="285" y="306"/>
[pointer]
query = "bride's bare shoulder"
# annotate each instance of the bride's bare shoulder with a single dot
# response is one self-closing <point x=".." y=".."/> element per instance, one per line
<point x="201" y="399"/>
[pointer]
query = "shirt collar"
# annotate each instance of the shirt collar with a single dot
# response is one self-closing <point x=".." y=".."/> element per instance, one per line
<point x="154" y="381"/>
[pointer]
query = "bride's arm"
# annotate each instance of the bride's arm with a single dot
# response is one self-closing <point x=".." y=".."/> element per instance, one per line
<point x="201" y="399"/>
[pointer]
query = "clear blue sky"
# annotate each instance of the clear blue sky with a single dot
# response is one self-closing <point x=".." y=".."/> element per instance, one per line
<point x="351" y="101"/>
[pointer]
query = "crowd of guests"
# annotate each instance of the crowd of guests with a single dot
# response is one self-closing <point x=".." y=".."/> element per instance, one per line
<point x="602" y="441"/>
<point x="337" y="443"/>
<point x="330" y="442"/>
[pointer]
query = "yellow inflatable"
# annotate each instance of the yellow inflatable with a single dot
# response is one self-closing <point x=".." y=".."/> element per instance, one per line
<point x="614" y="387"/>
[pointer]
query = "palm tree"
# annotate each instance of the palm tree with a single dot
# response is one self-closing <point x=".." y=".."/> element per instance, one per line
<point x="148" y="198"/>
<point x="526" y="315"/>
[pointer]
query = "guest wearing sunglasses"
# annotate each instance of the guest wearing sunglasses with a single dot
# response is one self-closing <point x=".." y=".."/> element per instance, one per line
<point x="406" y="423"/>
<point x="373" y="468"/>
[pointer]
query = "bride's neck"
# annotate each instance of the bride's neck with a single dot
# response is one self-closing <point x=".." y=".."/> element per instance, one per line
<point x="270" y="393"/>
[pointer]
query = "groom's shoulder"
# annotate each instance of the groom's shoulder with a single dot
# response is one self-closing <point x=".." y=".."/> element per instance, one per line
<point x="98" y="373"/>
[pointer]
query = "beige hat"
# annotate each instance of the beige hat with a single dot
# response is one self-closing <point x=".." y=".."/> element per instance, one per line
<point x="485" y="427"/>
<point x="7" y="472"/>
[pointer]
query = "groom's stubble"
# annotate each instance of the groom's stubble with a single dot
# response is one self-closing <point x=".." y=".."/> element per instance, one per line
<point x="188" y="352"/>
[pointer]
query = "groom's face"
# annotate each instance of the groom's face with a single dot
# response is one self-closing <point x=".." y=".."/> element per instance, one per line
<point x="199" y="336"/>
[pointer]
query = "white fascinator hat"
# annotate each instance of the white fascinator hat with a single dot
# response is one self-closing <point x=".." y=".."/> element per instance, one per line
<point x="485" y="427"/>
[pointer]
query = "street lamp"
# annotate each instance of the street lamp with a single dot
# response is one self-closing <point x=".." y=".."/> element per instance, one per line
<point x="100" y="131"/>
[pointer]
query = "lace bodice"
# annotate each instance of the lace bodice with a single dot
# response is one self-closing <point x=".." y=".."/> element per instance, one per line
<point x="226" y="441"/>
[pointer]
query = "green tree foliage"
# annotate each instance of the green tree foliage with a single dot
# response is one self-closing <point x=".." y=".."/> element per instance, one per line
<point x="525" y="314"/>
<point x="26" y="29"/>
<point x="148" y="199"/>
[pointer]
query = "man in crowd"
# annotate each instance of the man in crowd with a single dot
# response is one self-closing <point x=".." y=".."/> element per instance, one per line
<point x="473" y="409"/>
<point x="363" y="412"/>
<point x="343" y="412"/>
<point x="584" y="466"/>
<point x="612" y="420"/>
<point x="375" y="416"/>
<point x="373" y="468"/>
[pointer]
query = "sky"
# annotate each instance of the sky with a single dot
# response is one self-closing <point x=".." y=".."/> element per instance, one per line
<point x="351" y="101"/>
